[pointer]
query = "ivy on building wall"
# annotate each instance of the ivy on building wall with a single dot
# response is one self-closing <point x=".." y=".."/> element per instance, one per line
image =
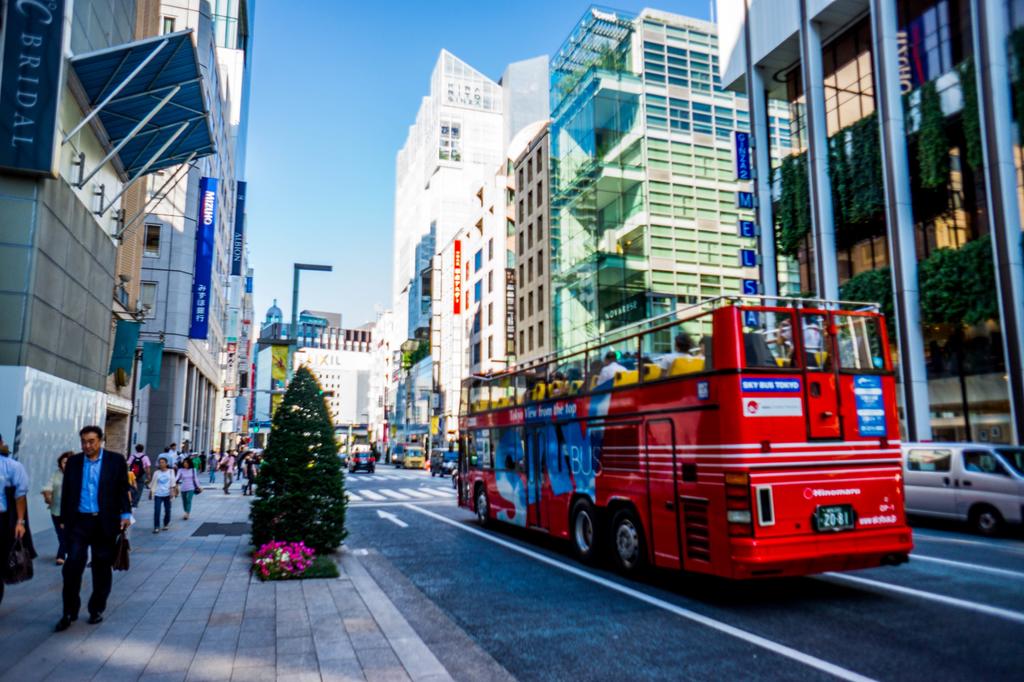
<point x="793" y="209"/>
<point x="932" y="140"/>
<point x="958" y="285"/>
<point x="970" y="116"/>
<point x="1017" y="47"/>
<point x="871" y="286"/>
<point x="866" y="194"/>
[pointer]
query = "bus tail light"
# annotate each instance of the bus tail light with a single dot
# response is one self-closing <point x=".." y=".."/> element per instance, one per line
<point x="737" y="504"/>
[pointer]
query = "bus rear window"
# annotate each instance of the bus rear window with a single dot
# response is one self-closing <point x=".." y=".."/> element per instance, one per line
<point x="860" y="342"/>
<point x="767" y="338"/>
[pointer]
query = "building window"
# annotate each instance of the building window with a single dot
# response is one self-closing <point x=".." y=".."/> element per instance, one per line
<point x="529" y="169"/>
<point x="529" y="201"/>
<point x="540" y="297"/>
<point x="522" y="216"/>
<point x="522" y="310"/>
<point x="529" y="310"/>
<point x="168" y="25"/>
<point x="450" y="142"/>
<point x="540" y="334"/>
<point x="490" y="314"/>
<point x="490" y="249"/>
<point x="540" y="263"/>
<point x="521" y="183"/>
<point x="529" y="237"/>
<point x="478" y="290"/>
<point x="478" y="260"/>
<point x="540" y="194"/>
<point x="152" y="244"/>
<point x="522" y="346"/>
<point x="522" y="273"/>
<point x="490" y="347"/>
<point x="530" y="337"/>
<point x="529" y="270"/>
<point x="540" y="227"/>
<point x="490" y="281"/>
<point x="521" y="249"/>
<point x="147" y="298"/>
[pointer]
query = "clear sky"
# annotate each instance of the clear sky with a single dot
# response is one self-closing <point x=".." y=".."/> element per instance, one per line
<point x="336" y="84"/>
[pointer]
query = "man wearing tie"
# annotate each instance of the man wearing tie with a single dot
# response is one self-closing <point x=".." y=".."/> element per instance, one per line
<point x="96" y="505"/>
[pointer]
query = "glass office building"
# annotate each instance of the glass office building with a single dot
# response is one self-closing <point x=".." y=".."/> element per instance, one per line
<point x="644" y="194"/>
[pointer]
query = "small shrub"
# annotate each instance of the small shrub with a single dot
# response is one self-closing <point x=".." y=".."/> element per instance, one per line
<point x="282" y="560"/>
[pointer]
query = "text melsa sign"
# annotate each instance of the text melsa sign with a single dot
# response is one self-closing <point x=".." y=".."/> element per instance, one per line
<point x="31" y="81"/>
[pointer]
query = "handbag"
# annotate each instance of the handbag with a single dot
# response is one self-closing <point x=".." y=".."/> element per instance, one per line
<point x="195" y="482"/>
<point x="18" y="567"/>
<point x="121" y="551"/>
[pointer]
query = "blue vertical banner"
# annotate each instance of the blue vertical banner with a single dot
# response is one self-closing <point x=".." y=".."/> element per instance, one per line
<point x="206" y="230"/>
<point x="744" y="170"/>
<point x="238" y="240"/>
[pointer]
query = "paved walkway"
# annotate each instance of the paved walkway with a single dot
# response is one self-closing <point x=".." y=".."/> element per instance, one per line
<point x="188" y="610"/>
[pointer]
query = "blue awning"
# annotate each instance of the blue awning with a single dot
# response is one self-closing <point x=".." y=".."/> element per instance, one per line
<point x="148" y="96"/>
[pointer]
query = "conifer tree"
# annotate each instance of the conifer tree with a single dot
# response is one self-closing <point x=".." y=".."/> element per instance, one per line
<point x="300" y="493"/>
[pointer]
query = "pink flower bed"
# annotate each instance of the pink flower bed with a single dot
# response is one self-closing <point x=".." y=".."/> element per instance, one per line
<point x="282" y="560"/>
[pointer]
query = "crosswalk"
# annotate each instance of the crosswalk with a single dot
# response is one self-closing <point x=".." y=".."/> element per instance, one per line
<point x="401" y="495"/>
<point x="372" y="478"/>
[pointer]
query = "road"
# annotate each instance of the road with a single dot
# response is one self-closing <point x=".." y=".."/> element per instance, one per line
<point x="503" y="601"/>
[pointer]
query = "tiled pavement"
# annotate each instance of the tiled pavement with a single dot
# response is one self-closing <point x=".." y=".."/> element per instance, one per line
<point x="188" y="610"/>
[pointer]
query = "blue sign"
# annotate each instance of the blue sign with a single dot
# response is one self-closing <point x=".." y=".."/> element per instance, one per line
<point x="206" y="229"/>
<point x="748" y="229"/>
<point x="751" y="287"/>
<point x="745" y="200"/>
<point x="238" y="240"/>
<point x="770" y="385"/>
<point x="748" y="258"/>
<point x="703" y="390"/>
<point x="867" y="397"/>
<point x="743" y="168"/>
<point x="31" y="69"/>
<point x="248" y="284"/>
<point x="752" y="319"/>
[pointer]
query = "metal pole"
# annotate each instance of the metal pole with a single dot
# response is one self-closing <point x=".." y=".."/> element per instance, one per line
<point x="293" y="330"/>
<point x="989" y="31"/>
<point x="900" y="221"/>
<point x="822" y="218"/>
<point x="131" y="412"/>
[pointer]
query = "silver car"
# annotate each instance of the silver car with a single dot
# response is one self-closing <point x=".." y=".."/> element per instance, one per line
<point x="979" y="483"/>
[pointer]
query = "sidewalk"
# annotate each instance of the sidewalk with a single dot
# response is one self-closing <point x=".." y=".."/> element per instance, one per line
<point x="189" y="610"/>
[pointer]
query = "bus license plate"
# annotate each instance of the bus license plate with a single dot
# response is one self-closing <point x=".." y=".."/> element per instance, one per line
<point x="834" y="517"/>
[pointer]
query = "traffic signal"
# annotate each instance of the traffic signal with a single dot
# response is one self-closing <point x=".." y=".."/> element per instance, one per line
<point x="255" y="428"/>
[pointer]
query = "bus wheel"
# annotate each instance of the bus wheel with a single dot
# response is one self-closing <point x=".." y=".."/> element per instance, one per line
<point x="628" y="542"/>
<point x="482" y="507"/>
<point x="584" y="531"/>
<point x="986" y="520"/>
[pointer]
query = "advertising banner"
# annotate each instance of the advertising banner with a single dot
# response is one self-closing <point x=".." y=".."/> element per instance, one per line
<point x="206" y="225"/>
<point x="457" y="279"/>
<point x="152" y="358"/>
<point x="31" y="82"/>
<point x="238" y="240"/>
<point x="867" y="396"/>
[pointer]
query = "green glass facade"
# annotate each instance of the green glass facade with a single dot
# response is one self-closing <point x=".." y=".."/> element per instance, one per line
<point x="643" y="182"/>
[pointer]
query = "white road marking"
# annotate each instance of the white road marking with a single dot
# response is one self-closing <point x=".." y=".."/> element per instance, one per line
<point x="928" y="537"/>
<point x="1006" y="614"/>
<point x="392" y="518"/>
<point x="749" y="637"/>
<point x="394" y="495"/>
<point x="974" y="567"/>
<point x="438" y="493"/>
<point x="353" y="497"/>
<point x="370" y="495"/>
<point x="415" y="493"/>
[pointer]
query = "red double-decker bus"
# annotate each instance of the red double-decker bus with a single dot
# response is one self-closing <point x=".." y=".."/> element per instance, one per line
<point x="731" y="438"/>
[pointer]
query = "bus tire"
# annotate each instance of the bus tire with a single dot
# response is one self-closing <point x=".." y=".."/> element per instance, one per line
<point x="629" y="550"/>
<point x="584" y="532"/>
<point x="482" y="506"/>
<point x="986" y="520"/>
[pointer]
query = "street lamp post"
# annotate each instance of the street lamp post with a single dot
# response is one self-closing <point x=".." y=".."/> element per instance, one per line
<point x="299" y="267"/>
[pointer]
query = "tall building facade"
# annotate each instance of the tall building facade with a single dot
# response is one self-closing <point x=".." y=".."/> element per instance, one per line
<point x="532" y="200"/>
<point x="644" y="207"/>
<point x="194" y="267"/>
<point x="907" y="114"/>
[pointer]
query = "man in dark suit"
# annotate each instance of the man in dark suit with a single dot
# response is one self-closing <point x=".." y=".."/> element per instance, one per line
<point x="95" y="507"/>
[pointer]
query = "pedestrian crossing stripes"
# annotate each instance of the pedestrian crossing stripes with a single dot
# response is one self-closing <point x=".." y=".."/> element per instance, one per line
<point x="402" y="494"/>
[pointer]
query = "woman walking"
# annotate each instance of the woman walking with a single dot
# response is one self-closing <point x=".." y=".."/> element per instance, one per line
<point x="162" y="488"/>
<point x="188" y="484"/>
<point x="52" y="494"/>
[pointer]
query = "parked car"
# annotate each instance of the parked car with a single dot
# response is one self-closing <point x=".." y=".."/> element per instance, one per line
<point x="980" y="483"/>
<point x="443" y="462"/>
<point x="413" y="457"/>
<point x="362" y="460"/>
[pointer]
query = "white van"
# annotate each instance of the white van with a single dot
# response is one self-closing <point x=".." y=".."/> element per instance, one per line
<point x="975" y="482"/>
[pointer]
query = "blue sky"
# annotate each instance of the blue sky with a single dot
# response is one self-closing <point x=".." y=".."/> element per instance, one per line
<point x="336" y="85"/>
